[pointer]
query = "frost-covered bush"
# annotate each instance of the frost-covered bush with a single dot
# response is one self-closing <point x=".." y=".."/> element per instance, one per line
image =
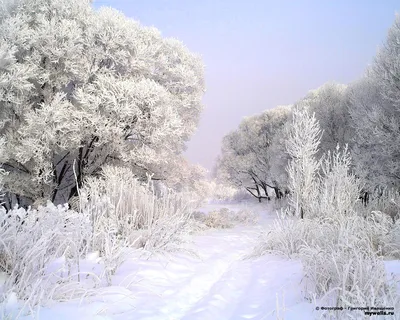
<point x="340" y="257"/>
<point x="345" y="275"/>
<point x="338" y="189"/>
<point x="346" y="270"/>
<point x="285" y="237"/>
<point x="224" y="218"/>
<point x="385" y="234"/>
<point x="245" y="216"/>
<point x="280" y="204"/>
<point x="115" y="213"/>
<point x="119" y="204"/>
<point x="30" y="239"/>
<point x="196" y="222"/>
<point x="220" y="192"/>
<point x="219" y="219"/>
<point x="386" y="200"/>
<point x="339" y="245"/>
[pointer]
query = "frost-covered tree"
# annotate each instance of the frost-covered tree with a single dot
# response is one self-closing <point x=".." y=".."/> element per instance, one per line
<point x="329" y="104"/>
<point x="386" y="67"/>
<point x="302" y="146"/>
<point x="81" y="88"/>
<point x="249" y="154"/>
<point x="235" y="164"/>
<point x="375" y="114"/>
<point x="269" y="151"/>
<point x="183" y="175"/>
<point x="377" y="135"/>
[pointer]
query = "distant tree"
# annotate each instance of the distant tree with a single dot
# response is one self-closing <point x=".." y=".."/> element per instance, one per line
<point x="249" y="154"/>
<point x="235" y="165"/>
<point x="183" y="175"/>
<point x="80" y="89"/>
<point x="329" y="104"/>
<point x="268" y="147"/>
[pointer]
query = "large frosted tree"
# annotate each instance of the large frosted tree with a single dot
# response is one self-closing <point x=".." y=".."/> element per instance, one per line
<point x="375" y="114"/>
<point x="81" y="88"/>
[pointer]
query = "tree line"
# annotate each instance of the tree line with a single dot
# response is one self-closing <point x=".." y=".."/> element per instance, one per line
<point x="364" y="115"/>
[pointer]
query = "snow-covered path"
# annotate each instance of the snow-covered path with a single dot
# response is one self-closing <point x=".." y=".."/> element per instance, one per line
<point x="220" y="285"/>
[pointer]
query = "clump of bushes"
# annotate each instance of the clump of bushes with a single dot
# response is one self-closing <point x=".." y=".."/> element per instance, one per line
<point x="115" y="212"/>
<point x="340" y="243"/>
<point x="225" y="218"/>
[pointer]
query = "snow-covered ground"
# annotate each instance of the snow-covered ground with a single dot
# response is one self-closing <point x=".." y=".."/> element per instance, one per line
<point x="218" y="284"/>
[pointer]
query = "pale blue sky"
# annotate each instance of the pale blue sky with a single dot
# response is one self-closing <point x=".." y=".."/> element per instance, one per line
<point x="260" y="54"/>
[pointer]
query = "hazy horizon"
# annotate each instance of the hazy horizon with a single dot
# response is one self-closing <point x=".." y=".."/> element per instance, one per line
<point x="261" y="54"/>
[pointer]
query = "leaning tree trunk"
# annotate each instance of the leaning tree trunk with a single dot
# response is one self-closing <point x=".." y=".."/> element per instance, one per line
<point x="258" y="193"/>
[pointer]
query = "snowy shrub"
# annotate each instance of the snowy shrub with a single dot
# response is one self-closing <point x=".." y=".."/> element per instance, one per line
<point x="213" y="191"/>
<point x="385" y="235"/>
<point x="219" y="219"/>
<point x="286" y="236"/>
<point x="385" y="200"/>
<point x="196" y="222"/>
<point x="347" y="276"/>
<point x="340" y="256"/>
<point x="345" y="269"/>
<point x="119" y="204"/>
<point x="339" y="247"/>
<point x="221" y="192"/>
<point x="226" y="194"/>
<point x="391" y="241"/>
<point x="168" y="234"/>
<point x="338" y="189"/>
<point x="241" y="195"/>
<point x="224" y="218"/>
<point x="280" y="204"/>
<point x="116" y="212"/>
<point x="245" y="217"/>
<point x="30" y="239"/>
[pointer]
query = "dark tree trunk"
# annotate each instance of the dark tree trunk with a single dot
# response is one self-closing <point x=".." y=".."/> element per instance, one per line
<point x="264" y="187"/>
<point x="278" y="193"/>
<point x="364" y="196"/>
<point x="258" y="193"/>
<point x="81" y="162"/>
